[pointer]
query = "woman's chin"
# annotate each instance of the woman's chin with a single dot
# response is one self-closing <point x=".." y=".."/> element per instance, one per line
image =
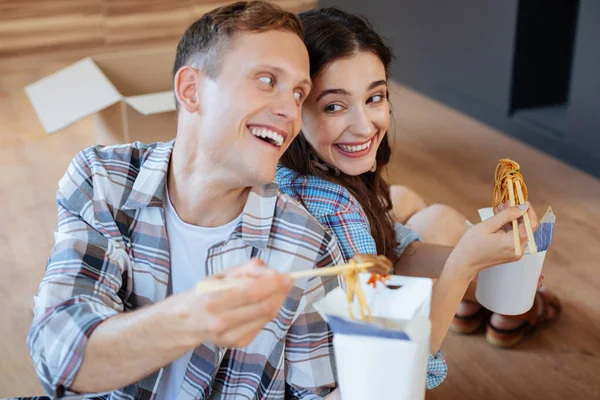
<point x="355" y="170"/>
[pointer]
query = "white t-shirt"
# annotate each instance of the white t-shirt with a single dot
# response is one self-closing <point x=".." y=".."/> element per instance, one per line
<point x="189" y="246"/>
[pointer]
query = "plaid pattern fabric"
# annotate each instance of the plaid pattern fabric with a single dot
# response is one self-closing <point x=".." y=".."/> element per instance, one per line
<point x="334" y="206"/>
<point x="340" y="212"/>
<point x="111" y="255"/>
<point x="404" y="237"/>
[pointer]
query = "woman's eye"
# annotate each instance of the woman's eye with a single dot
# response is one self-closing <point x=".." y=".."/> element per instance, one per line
<point x="333" y="108"/>
<point x="299" y="95"/>
<point x="378" y="98"/>
<point x="267" y="79"/>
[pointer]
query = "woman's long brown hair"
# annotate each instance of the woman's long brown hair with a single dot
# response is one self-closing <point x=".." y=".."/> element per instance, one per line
<point x="331" y="34"/>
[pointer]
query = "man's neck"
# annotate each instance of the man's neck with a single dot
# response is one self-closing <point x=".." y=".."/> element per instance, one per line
<point x="198" y="193"/>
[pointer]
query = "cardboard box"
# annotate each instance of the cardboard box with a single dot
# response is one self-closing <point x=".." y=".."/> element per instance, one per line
<point x="130" y="94"/>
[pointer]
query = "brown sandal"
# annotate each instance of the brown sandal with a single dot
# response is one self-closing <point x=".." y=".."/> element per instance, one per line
<point x="539" y="315"/>
<point x="467" y="324"/>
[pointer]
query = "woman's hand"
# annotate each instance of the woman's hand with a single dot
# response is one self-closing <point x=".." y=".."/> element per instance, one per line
<point x="491" y="242"/>
<point x="533" y="219"/>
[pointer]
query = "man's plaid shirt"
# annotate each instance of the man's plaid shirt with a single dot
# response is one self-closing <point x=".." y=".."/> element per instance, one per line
<point x="111" y="255"/>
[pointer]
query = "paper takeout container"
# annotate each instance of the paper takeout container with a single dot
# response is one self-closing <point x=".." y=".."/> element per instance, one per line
<point x="385" y="359"/>
<point x="510" y="288"/>
<point x="129" y="93"/>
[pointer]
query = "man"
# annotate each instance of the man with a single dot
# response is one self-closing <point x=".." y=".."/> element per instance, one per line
<point x="139" y="225"/>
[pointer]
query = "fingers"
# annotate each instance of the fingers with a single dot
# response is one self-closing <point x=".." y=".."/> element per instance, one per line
<point x="253" y="314"/>
<point x="507" y="242"/>
<point x="533" y="218"/>
<point x="501" y="206"/>
<point x="506" y="251"/>
<point x="256" y="291"/>
<point x="264" y="283"/>
<point x="256" y="268"/>
<point x="523" y="232"/>
<point x="253" y="268"/>
<point x="504" y="217"/>
<point x="233" y="318"/>
<point x="237" y="315"/>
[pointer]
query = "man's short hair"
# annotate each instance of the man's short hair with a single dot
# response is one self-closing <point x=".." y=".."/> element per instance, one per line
<point x="204" y="43"/>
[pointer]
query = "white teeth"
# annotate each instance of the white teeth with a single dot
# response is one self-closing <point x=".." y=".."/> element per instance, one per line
<point x="267" y="133"/>
<point x="354" y="149"/>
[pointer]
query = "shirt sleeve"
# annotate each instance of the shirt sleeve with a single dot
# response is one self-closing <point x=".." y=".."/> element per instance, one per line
<point x="437" y="370"/>
<point x="79" y="291"/>
<point x="309" y="355"/>
<point x="351" y="231"/>
<point x="405" y="237"/>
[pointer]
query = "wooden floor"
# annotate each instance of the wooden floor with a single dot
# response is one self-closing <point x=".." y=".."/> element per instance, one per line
<point x="444" y="155"/>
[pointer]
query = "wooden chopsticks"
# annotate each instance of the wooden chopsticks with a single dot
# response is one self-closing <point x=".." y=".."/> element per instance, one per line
<point x="530" y="239"/>
<point x="216" y="285"/>
<point x="526" y="220"/>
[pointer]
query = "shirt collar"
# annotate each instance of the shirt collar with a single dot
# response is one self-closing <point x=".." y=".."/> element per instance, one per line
<point x="149" y="185"/>
<point x="148" y="191"/>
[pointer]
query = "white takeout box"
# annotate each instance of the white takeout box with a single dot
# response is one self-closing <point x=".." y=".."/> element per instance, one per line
<point x="130" y="93"/>
<point x="372" y="367"/>
<point x="509" y="288"/>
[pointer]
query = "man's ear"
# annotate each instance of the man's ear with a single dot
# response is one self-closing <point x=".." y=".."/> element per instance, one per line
<point x="186" y="88"/>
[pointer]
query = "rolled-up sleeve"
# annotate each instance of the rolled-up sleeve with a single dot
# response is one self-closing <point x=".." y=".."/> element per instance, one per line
<point x="79" y="291"/>
<point x="437" y="370"/>
<point x="405" y="237"/>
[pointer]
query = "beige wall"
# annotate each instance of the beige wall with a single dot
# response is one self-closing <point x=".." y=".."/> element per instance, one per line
<point x="31" y="26"/>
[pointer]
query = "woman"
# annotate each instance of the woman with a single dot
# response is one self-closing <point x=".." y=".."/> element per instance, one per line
<point x="335" y="166"/>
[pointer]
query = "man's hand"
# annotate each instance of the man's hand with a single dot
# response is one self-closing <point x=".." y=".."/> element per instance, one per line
<point x="233" y="318"/>
<point x="129" y="346"/>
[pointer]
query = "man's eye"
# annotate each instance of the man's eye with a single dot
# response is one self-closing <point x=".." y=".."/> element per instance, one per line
<point x="267" y="79"/>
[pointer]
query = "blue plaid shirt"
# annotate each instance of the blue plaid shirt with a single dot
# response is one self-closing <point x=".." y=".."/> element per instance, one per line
<point x="334" y="207"/>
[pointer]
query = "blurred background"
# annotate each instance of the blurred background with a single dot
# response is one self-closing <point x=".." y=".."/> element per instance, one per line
<point x="473" y="82"/>
<point x="528" y="67"/>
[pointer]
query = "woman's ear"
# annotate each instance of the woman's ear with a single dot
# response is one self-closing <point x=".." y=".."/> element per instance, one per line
<point x="186" y="88"/>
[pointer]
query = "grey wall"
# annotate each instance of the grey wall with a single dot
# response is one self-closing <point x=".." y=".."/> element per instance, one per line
<point x="584" y="104"/>
<point x="435" y="51"/>
<point x="463" y="56"/>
